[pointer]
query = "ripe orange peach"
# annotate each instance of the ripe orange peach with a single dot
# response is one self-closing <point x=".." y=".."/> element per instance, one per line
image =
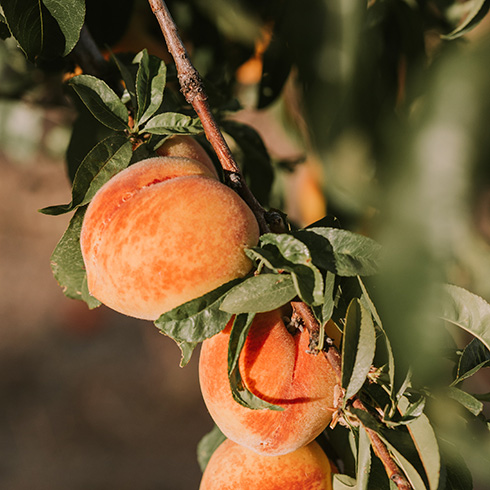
<point x="162" y="232"/>
<point x="179" y="145"/>
<point x="234" y="467"/>
<point x="275" y="366"/>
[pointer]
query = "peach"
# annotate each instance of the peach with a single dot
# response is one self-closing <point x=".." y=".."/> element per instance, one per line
<point x="179" y="145"/>
<point x="234" y="467"/>
<point x="163" y="232"/>
<point x="276" y="367"/>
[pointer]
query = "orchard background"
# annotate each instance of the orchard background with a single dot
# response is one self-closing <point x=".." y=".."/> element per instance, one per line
<point x="374" y="115"/>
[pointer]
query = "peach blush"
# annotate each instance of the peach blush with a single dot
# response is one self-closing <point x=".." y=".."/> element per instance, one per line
<point x="276" y="367"/>
<point x="234" y="467"/>
<point x="152" y="240"/>
<point x="186" y="146"/>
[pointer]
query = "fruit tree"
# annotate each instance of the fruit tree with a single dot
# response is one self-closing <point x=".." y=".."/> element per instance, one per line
<point x="298" y="191"/>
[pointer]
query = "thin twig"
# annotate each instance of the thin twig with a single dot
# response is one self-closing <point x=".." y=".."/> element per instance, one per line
<point x="193" y="90"/>
<point x="305" y="315"/>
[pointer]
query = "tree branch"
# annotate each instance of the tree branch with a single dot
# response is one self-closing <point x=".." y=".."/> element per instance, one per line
<point x="303" y="314"/>
<point x="193" y="90"/>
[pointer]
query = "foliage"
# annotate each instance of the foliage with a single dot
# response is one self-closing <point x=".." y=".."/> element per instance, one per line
<point x="410" y="341"/>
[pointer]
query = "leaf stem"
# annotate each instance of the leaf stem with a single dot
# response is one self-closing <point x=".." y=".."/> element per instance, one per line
<point x="193" y="91"/>
<point x="303" y="313"/>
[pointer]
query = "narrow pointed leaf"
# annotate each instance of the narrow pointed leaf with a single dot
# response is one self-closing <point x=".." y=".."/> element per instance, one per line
<point x="207" y="445"/>
<point x="354" y="254"/>
<point x="478" y="11"/>
<point x="186" y="349"/>
<point x="363" y="460"/>
<point x="67" y="261"/>
<point x="150" y="83"/>
<point x="466" y="400"/>
<point x="197" y="319"/>
<point x="426" y="444"/>
<point x="45" y="28"/>
<point x="241" y="394"/>
<point x="101" y="101"/>
<point x="468" y="311"/>
<point x="260" y="293"/>
<point x="357" y="348"/>
<point x="475" y="357"/>
<point x="105" y="160"/>
<point x="173" y="123"/>
<point x="70" y="15"/>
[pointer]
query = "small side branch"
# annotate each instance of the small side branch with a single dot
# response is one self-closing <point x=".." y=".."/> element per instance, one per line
<point x="303" y="314"/>
<point x="193" y="90"/>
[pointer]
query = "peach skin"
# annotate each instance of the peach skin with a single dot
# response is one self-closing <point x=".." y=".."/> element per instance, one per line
<point x="234" y="467"/>
<point x="163" y="232"/>
<point x="180" y="145"/>
<point x="276" y="367"/>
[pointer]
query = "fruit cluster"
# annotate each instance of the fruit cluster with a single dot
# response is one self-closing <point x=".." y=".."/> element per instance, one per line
<point x="166" y="231"/>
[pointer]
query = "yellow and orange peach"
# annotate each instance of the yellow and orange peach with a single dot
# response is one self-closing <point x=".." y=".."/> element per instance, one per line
<point x="275" y="366"/>
<point x="163" y="232"/>
<point x="234" y="467"/>
<point x="186" y="146"/>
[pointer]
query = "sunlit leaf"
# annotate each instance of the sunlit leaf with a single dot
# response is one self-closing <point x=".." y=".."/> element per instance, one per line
<point x="101" y="101"/>
<point x="197" y="319"/>
<point x="256" y="294"/>
<point x="466" y="400"/>
<point x="478" y="10"/>
<point x="105" y="160"/>
<point x="358" y="348"/>
<point x="241" y="394"/>
<point x="468" y="311"/>
<point x="207" y="445"/>
<point x="425" y="441"/>
<point x="173" y="123"/>
<point x="67" y="261"/>
<point x="150" y="82"/>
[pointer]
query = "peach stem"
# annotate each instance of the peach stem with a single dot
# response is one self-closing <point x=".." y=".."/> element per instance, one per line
<point x="193" y="90"/>
<point x="303" y="313"/>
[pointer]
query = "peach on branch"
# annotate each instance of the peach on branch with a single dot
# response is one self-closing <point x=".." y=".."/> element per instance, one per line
<point x="186" y="146"/>
<point x="234" y="467"/>
<point x="163" y="232"/>
<point x="276" y="366"/>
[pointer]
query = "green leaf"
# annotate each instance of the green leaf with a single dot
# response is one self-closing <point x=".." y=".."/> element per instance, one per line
<point x="344" y="482"/>
<point x="207" y="445"/>
<point x="475" y="357"/>
<point x="173" y="123"/>
<point x="466" y="400"/>
<point x="358" y="348"/>
<point x="354" y="254"/>
<point x="106" y="159"/>
<point x="150" y="83"/>
<point x="45" y="29"/>
<point x="369" y="305"/>
<point x="241" y="394"/>
<point x="261" y="293"/>
<point x="70" y="15"/>
<point x="363" y="460"/>
<point x="295" y="258"/>
<point x="478" y="10"/>
<point x="307" y="280"/>
<point x="186" y="349"/>
<point x="425" y="442"/>
<point x="67" y="261"/>
<point x="197" y="319"/>
<point x="101" y="101"/>
<point x="128" y="73"/>
<point x="468" y="311"/>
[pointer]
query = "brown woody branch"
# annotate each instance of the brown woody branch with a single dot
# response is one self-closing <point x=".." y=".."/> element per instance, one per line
<point x="303" y="314"/>
<point x="193" y="90"/>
